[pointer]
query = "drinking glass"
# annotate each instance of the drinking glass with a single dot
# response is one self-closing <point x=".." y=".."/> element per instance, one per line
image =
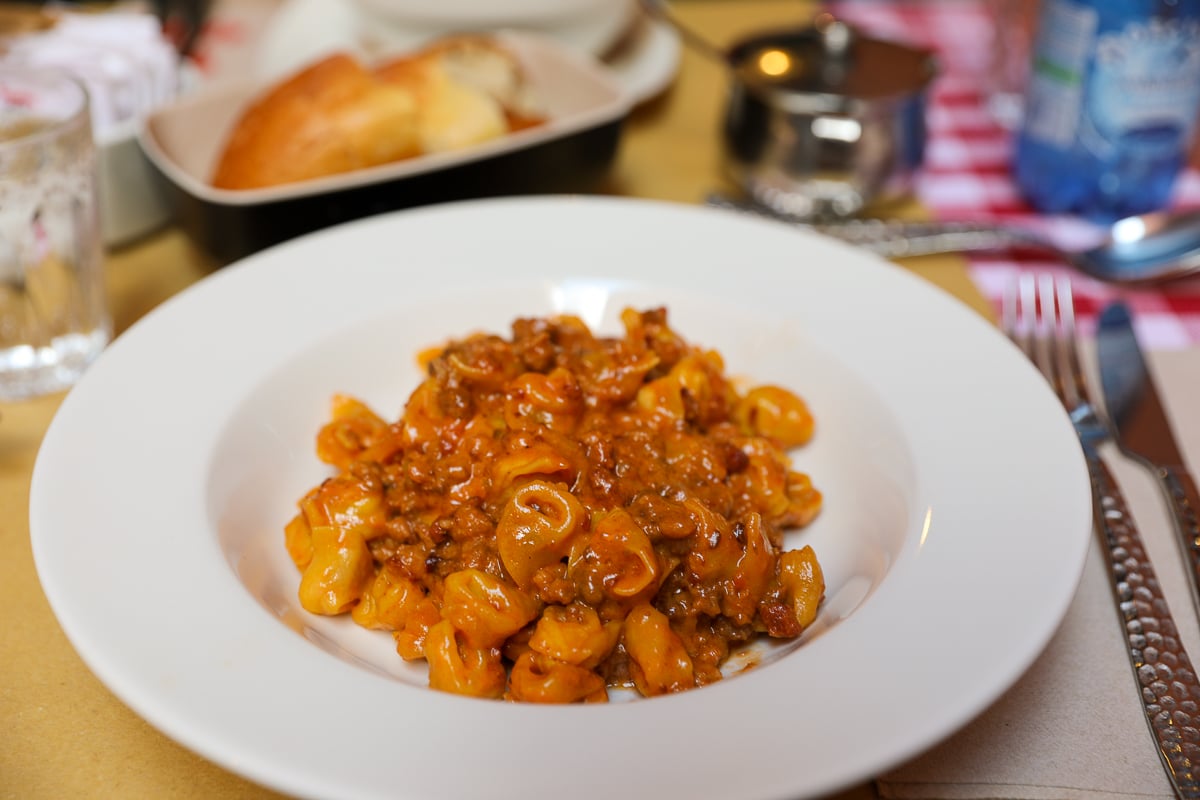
<point x="1013" y="24"/>
<point x="54" y="318"/>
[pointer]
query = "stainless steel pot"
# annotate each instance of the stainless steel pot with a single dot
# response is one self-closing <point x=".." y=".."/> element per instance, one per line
<point x="821" y="120"/>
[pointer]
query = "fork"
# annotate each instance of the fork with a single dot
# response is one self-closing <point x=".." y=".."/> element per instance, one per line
<point x="1038" y="315"/>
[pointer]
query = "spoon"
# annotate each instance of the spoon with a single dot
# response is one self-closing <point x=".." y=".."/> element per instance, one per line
<point x="1147" y="249"/>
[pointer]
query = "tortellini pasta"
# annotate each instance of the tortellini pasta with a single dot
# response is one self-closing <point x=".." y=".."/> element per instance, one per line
<point x="558" y="514"/>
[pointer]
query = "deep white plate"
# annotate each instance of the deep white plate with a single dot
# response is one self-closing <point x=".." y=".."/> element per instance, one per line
<point x="586" y="26"/>
<point x="160" y="494"/>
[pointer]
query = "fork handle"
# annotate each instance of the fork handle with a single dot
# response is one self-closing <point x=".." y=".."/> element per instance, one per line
<point x="1170" y="691"/>
<point x="899" y="238"/>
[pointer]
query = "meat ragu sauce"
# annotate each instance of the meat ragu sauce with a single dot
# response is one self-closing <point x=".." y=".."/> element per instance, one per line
<point x="559" y="513"/>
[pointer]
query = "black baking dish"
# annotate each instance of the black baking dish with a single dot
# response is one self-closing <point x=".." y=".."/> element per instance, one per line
<point x="571" y="152"/>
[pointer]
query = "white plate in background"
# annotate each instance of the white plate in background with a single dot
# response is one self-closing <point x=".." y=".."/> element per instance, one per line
<point x="643" y="54"/>
<point x="451" y="13"/>
<point x="299" y="31"/>
<point x="646" y="62"/>
<point x="591" y="27"/>
<point x="163" y="484"/>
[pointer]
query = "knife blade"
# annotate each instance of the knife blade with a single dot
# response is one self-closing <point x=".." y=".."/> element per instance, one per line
<point x="1142" y="430"/>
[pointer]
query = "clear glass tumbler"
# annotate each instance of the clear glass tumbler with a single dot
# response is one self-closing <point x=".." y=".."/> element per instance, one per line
<point x="54" y="317"/>
<point x="1013" y="24"/>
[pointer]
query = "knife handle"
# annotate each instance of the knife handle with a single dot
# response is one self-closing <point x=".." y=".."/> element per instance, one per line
<point x="1184" y="502"/>
<point x="1170" y="692"/>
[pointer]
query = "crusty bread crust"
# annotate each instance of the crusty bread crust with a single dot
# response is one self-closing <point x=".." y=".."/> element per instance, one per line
<point x="331" y="117"/>
<point x="338" y="115"/>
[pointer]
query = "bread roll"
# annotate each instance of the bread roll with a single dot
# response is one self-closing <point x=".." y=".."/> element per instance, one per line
<point x="450" y="114"/>
<point x="465" y="86"/>
<point x="337" y="115"/>
<point x="332" y="117"/>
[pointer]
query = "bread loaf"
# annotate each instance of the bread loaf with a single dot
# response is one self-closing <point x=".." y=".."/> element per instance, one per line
<point x="333" y="116"/>
<point x="338" y="115"/>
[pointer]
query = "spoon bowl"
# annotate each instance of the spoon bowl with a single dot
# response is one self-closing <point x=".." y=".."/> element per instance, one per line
<point x="1151" y="248"/>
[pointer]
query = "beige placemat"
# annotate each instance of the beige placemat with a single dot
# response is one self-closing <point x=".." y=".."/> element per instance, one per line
<point x="1072" y="726"/>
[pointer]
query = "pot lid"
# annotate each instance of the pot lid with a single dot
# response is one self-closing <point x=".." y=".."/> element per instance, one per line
<point x="830" y="62"/>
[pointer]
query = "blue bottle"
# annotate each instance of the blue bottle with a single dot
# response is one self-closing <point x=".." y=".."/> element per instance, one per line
<point x="1111" y="106"/>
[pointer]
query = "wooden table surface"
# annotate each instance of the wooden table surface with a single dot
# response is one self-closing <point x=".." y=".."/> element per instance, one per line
<point x="62" y="734"/>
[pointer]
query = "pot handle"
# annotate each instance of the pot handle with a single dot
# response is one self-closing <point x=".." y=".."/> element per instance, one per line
<point x="658" y="10"/>
<point x="836" y="34"/>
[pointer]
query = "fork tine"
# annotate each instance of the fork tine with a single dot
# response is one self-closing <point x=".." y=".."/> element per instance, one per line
<point x="1040" y="296"/>
<point x="1009" y="312"/>
<point x="1058" y="302"/>
<point x="1074" y="380"/>
<point x="1037" y="313"/>
<point x="1050" y="352"/>
<point x="1016" y="314"/>
<point x="1024" y="318"/>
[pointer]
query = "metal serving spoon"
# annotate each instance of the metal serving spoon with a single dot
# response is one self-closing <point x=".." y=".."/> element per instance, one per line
<point x="1147" y="249"/>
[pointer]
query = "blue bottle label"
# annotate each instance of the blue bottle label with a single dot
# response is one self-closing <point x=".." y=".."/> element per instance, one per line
<point x="1111" y="106"/>
<point x="1056" y="91"/>
<point x="1143" y="92"/>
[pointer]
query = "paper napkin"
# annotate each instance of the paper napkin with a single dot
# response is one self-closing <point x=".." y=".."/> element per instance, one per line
<point x="1072" y="726"/>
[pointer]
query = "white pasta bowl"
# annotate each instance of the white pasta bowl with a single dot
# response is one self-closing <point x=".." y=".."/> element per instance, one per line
<point x="168" y="572"/>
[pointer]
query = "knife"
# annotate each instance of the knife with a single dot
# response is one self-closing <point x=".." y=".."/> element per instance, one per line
<point x="1142" y="431"/>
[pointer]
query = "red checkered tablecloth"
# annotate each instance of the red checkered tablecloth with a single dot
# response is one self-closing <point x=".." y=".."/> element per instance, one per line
<point x="966" y="174"/>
